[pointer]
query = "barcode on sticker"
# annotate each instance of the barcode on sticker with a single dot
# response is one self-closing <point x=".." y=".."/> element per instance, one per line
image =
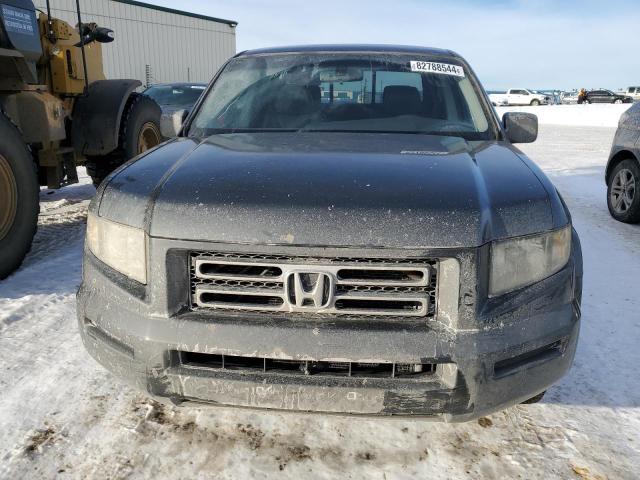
<point x="436" y="67"/>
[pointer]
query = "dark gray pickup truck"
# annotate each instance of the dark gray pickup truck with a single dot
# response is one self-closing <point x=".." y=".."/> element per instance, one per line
<point x="338" y="229"/>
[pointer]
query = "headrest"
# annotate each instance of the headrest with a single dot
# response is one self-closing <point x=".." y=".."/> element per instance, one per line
<point x="401" y="99"/>
<point x="296" y="99"/>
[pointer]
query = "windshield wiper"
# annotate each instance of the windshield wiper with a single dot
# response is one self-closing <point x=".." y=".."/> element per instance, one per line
<point x="402" y="132"/>
<point x="220" y="131"/>
<point x="353" y="130"/>
<point x="464" y="135"/>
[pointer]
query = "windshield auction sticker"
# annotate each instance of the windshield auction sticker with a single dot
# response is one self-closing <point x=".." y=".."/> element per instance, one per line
<point x="436" y="67"/>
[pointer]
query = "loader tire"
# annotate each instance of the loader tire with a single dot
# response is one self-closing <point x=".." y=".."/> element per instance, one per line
<point x="139" y="131"/>
<point x="99" y="167"/>
<point x="19" y="198"/>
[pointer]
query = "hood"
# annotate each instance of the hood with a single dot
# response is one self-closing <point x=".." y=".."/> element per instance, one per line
<point x="332" y="189"/>
<point x="169" y="109"/>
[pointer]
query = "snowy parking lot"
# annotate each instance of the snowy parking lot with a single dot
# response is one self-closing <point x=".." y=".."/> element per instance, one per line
<point x="62" y="415"/>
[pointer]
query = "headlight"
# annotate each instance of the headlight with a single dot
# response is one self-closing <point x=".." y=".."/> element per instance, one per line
<point x="518" y="262"/>
<point x="121" y="247"/>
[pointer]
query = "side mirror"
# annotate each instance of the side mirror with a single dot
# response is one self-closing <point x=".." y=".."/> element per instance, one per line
<point x="104" y="35"/>
<point x="520" y="127"/>
<point x="92" y="32"/>
<point x="171" y="123"/>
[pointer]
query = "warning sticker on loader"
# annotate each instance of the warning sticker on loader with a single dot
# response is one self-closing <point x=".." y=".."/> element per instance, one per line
<point x="18" y="20"/>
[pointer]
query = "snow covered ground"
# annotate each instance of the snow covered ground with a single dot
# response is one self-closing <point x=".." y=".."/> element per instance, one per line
<point x="61" y="415"/>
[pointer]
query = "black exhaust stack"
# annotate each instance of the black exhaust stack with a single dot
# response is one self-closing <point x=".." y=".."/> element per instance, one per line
<point x="84" y="58"/>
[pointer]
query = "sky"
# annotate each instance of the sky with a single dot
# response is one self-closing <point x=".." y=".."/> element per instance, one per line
<point x="508" y="43"/>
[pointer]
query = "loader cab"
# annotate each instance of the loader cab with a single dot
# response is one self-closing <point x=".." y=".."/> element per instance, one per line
<point x="37" y="50"/>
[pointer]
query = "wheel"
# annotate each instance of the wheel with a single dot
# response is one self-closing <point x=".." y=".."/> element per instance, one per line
<point x="535" y="399"/>
<point x="19" y="198"/>
<point x="535" y="102"/>
<point x="139" y="131"/>
<point x="623" y="192"/>
<point x="617" y="100"/>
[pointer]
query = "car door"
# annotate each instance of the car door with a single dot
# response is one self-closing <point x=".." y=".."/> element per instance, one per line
<point x="635" y="120"/>
<point x="516" y="97"/>
<point x="524" y="98"/>
<point x="596" y="96"/>
<point x="607" y="97"/>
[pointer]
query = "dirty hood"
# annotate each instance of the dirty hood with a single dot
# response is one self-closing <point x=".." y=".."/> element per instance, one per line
<point x="332" y="189"/>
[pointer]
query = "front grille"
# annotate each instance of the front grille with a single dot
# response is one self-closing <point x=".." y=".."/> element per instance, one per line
<point x="302" y="367"/>
<point x="281" y="284"/>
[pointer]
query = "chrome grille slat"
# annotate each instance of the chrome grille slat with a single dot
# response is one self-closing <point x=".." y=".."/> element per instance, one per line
<point x="341" y="286"/>
<point x="236" y="283"/>
<point x="268" y="304"/>
<point x="200" y="263"/>
<point x="423" y="280"/>
<point x="239" y="257"/>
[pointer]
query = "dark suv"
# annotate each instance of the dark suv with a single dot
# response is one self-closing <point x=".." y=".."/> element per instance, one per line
<point x="606" y="96"/>
<point x="343" y="229"/>
<point x="623" y="169"/>
<point x="175" y="96"/>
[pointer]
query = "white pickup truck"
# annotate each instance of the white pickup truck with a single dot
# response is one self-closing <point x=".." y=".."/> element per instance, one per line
<point x="518" y="96"/>
<point x="633" y="92"/>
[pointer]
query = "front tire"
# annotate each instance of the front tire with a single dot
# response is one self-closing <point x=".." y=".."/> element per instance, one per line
<point x="139" y="132"/>
<point x="19" y="198"/>
<point x="623" y="191"/>
<point x="535" y="102"/>
<point x="617" y="100"/>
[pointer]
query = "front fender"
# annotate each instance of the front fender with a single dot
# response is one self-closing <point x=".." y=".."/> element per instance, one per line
<point x="97" y="114"/>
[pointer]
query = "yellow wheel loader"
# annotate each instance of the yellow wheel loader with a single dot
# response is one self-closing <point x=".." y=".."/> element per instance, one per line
<point x="57" y="111"/>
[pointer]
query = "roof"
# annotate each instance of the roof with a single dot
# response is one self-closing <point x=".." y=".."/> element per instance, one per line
<point x="231" y="23"/>
<point x="351" y="48"/>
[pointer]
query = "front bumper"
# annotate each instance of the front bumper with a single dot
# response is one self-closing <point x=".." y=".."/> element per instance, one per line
<point x="493" y="353"/>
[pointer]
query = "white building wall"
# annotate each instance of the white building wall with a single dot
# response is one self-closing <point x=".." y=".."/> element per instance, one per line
<point x="177" y="48"/>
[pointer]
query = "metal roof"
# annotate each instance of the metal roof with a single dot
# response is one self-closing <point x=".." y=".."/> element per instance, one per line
<point x="231" y="23"/>
<point x="351" y="48"/>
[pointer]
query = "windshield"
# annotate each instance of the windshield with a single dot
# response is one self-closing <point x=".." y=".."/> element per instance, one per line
<point x="344" y="92"/>
<point x="175" y="95"/>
